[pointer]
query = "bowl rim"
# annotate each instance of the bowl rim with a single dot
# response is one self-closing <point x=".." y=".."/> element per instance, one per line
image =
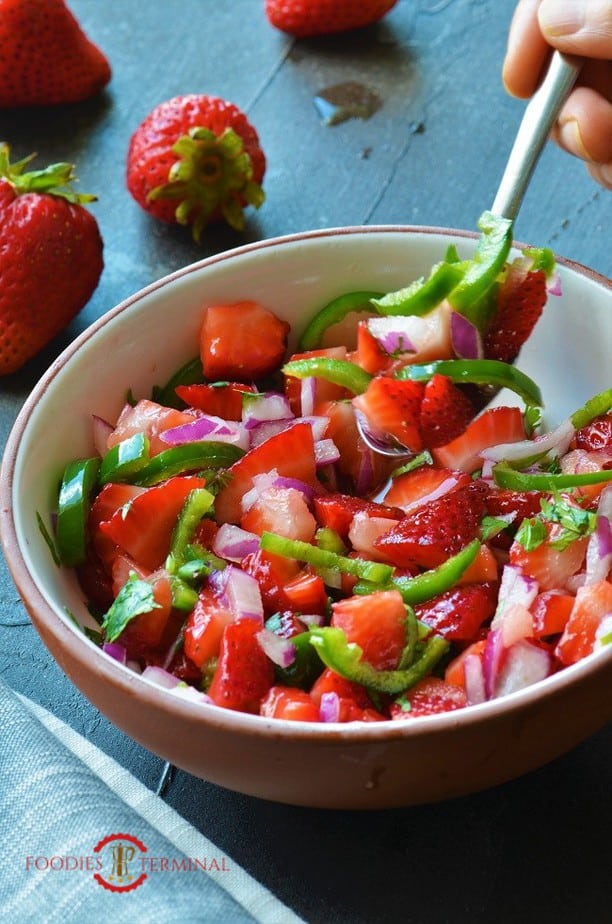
<point x="90" y="657"/>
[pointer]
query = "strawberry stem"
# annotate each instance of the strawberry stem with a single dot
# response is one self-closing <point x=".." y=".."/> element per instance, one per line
<point x="55" y="180"/>
<point x="212" y="177"/>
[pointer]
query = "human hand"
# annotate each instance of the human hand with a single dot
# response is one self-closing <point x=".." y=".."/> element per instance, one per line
<point x="576" y="27"/>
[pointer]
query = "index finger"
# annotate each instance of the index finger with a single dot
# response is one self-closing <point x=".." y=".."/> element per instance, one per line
<point x="526" y="53"/>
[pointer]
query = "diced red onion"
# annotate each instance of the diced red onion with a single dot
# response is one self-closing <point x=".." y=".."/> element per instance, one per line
<point x="308" y="390"/>
<point x="364" y="481"/>
<point x="271" y="405"/>
<point x="515" y="588"/>
<point x="329" y="707"/>
<point x="312" y="619"/>
<point x="465" y="337"/>
<point x="599" y="548"/>
<point x="306" y="489"/>
<point x="234" y="543"/>
<point x="263" y="430"/>
<point x="525" y="664"/>
<point x="243" y="593"/>
<point x="168" y="681"/>
<point x="217" y="581"/>
<point x="474" y="680"/>
<point x="160" y="677"/>
<point x="116" y="651"/>
<point x="486" y="473"/>
<point x="390" y="332"/>
<point x="326" y="452"/>
<point x="395" y="341"/>
<point x="603" y="631"/>
<point x="281" y="651"/>
<point x="555" y="441"/>
<point x="554" y="286"/>
<point x="492" y="658"/>
<point x="102" y="429"/>
<point x="260" y="484"/>
<point x="185" y="691"/>
<point x="319" y="424"/>
<point x="516" y="623"/>
<point x="207" y="427"/>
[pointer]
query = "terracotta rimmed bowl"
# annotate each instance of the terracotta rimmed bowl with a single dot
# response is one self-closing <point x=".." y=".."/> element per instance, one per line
<point x="142" y="342"/>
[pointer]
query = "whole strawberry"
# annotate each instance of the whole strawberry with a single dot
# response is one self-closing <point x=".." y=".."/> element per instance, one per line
<point x="50" y="257"/>
<point x="46" y="57"/>
<point x="304" y="18"/>
<point x="196" y="159"/>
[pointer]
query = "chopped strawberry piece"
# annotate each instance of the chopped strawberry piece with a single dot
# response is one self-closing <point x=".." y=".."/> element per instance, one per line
<point x="121" y="568"/>
<point x="290" y="452"/>
<point x="307" y="594"/>
<point x="149" y="418"/>
<point x="354" y="704"/>
<point x="520" y="303"/>
<point x="280" y="510"/>
<point x="183" y="668"/>
<point x="146" y="631"/>
<point x="369" y="353"/>
<point x="459" y="613"/>
<point x="484" y="568"/>
<point x="520" y="505"/>
<point x="336" y="511"/>
<point x="422" y="485"/>
<point x="494" y="426"/>
<point x="428" y="697"/>
<point x="433" y="532"/>
<point x="205" y="626"/>
<point x="220" y="400"/>
<point x="593" y="602"/>
<point x="289" y="703"/>
<point x="144" y="528"/>
<point x="377" y="623"/>
<point x="242" y="341"/>
<point x="455" y="670"/>
<point x="393" y="406"/>
<point x="550" y="611"/>
<point x="445" y="412"/>
<point x="596" y="435"/>
<point x="111" y="498"/>
<point x="272" y="572"/>
<point x="244" y="674"/>
<point x="550" y="567"/>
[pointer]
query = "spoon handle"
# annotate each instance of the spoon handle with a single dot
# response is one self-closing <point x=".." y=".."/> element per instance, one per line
<point x="535" y="127"/>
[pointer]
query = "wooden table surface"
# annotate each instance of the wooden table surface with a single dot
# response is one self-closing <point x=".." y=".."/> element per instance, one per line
<point x="537" y="849"/>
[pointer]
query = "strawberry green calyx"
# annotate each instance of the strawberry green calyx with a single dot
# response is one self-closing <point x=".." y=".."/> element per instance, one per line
<point x="54" y="180"/>
<point x="213" y="175"/>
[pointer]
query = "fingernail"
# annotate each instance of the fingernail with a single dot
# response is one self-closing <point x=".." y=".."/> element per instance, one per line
<point x="571" y="139"/>
<point x="561" y="17"/>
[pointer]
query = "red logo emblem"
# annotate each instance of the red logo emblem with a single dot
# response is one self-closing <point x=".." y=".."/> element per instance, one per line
<point x="120" y="862"/>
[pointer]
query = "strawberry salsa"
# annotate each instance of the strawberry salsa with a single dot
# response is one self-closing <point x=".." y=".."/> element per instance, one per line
<point x="240" y="544"/>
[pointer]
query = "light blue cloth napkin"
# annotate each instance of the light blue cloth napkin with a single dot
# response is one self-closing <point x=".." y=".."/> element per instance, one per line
<point x="83" y="841"/>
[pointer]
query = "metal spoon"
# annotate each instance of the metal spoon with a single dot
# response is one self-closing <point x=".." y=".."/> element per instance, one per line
<point x="533" y="132"/>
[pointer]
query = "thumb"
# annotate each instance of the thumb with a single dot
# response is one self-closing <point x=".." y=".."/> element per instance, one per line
<point x="580" y="27"/>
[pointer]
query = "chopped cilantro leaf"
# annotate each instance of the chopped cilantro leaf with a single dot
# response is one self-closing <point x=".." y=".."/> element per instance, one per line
<point x="135" y="598"/>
